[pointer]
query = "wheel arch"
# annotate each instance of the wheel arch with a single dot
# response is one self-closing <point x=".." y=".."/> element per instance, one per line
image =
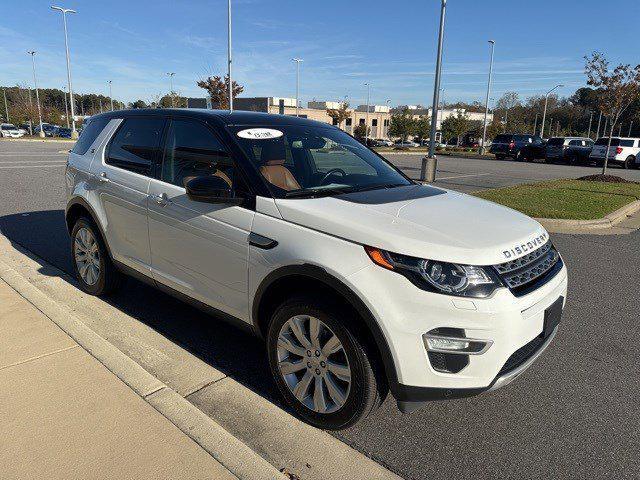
<point x="285" y="281"/>
<point x="79" y="207"/>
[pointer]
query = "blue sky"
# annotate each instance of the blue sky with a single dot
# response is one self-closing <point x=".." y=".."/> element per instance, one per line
<point x="344" y="43"/>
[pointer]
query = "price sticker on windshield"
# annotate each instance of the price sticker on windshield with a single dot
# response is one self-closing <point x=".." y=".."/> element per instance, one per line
<point x="260" y="133"/>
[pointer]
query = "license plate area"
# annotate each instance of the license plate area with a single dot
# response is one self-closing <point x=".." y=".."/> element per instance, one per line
<point x="552" y="316"/>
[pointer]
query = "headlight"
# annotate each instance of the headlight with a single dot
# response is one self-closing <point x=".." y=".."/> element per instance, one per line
<point x="441" y="277"/>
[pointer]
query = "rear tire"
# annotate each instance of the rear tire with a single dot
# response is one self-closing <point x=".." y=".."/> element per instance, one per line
<point x="629" y="163"/>
<point x="325" y="399"/>
<point x="96" y="273"/>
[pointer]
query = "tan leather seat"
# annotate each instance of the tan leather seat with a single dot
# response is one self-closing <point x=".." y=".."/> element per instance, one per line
<point x="277" y="174"/>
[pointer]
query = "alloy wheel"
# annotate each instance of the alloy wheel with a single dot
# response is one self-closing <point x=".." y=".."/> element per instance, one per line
<point x="86" y="253"/>
<point x="313" y="363"/>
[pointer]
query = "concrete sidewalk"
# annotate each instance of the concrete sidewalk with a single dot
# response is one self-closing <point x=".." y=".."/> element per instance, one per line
<point x="65" y="416"/>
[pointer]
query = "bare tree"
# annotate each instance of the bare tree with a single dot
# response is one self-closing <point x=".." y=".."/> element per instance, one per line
<point x="618" y="88"/>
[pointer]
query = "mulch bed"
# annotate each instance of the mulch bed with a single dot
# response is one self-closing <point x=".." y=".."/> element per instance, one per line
<point x="605" y="178"/>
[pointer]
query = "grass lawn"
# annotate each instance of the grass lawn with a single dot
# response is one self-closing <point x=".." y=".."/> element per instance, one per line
<point x="570" y="199"/>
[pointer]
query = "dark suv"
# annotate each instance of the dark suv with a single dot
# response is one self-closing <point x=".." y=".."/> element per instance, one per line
<point x="519" y="147"/>
<point x="568" y="149"/>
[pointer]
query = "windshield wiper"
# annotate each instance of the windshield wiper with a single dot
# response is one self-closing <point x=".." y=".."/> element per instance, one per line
<point x="318" y="192"/>
<point x="380" y="186"/>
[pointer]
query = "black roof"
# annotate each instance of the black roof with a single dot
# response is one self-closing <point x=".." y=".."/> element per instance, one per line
<point x="226" y="117"/>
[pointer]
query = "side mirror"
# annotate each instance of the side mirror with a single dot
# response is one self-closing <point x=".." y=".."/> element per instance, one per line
<point x="211" y="189"/>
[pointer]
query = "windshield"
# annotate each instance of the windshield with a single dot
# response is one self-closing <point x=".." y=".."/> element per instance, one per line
<point x="8" y="127"/>
<point x="309" y="161"/>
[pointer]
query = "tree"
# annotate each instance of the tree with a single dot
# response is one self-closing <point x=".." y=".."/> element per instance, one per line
<point x="219" y="91"/>
<point x="456" y="126"/>
<point x="506" y="103"/>
<point x="402" y="124"/>
<point x="138" y="104"/>
<point x="361" y="131"/>
<point x="172" y="100"/>
<point x="619" y="88"/>
<point x="422" y="127"/>
<point x="339" y="115"/>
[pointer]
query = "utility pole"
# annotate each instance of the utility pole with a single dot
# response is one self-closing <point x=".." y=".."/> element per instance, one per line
<point x="546" y="100"/>
<point x="486" y="101"/>
<point x="66" y="108"/>
<point x="535" y="124"/>
<point x="229" y="55"/>
<point x="630" y="125"/>
<point x="35" y="84"/>
<point x="598" y="130"/>
<point x="170" y="75"/>
<point x="6" y="107"/>
<point x="366" y="122"/>
<point x="110" y="94"/>
<point x="74" y="132"/>
<point x="297" y="60"/>
<point x="590" y="120"/>
<point x="430" y="163"/>
<point x="550" y="128"/>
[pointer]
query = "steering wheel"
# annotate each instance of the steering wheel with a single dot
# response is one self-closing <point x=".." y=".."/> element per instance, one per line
<point x="331" y="172"/>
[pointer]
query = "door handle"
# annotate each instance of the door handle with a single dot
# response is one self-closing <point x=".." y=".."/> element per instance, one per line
<point x="103" y="177"/>
<point x="161" y="199"/>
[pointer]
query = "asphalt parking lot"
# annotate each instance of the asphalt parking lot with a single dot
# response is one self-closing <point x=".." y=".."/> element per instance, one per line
<point x="574" y="414"/>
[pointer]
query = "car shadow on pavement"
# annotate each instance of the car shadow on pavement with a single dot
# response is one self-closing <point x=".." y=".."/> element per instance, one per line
<point x="227" y="348"/>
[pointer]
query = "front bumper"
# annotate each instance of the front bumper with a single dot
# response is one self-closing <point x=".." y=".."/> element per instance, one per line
<point x="405" y="313"/>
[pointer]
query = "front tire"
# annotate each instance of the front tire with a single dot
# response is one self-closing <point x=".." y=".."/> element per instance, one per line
<point x="322" y="367"/>
<point x="96" y="273"/>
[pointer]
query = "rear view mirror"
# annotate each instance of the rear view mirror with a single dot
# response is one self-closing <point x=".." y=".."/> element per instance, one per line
<point x="211" y="189"/>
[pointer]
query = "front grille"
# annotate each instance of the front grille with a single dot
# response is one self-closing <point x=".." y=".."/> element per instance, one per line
<point x="522" y="355"/>
<point x="530" y="271"/>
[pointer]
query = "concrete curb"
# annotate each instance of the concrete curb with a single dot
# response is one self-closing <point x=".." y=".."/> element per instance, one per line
<point x="607" y="221"/>
<point x="438" y="154"/>
<point x="234" y="455"/>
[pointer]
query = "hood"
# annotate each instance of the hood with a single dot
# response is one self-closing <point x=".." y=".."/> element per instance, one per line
<point x="421" y="221"/>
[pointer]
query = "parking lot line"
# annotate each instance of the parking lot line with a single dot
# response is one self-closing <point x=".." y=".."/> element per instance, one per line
<point x="462" y="176"/>
<point x="22" y="154"/>
<point x="7" y="162"/>
<point x="32" y="166"/>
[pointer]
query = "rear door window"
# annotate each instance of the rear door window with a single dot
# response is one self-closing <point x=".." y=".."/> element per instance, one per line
<point x="89" y="134"/>
<point x="626" y="143"/>
<point x="615" y="142"/>
<point x="556" y="142"/>
<point x="136" y="144"/>
<point x="503" y="139"/>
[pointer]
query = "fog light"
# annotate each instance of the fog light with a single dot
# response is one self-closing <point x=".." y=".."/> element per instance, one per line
<point x="466" y="346"/>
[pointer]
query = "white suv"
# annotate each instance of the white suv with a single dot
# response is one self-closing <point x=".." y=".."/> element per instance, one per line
<point x="360" y="280"/>
<point x="623" y="151"/>
<point x="9" y="130"/>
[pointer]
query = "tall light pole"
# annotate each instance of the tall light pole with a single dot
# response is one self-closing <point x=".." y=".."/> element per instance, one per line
<point x="598" y="130"/>
<point x="535" y="124"/>
<point x="590" y="122"/>
<point x="630" y="125"/>
<point x="431" y="160"/>
<point x="110" y="94"/>
<point x="6" y="107"/>
<point x="544" y="114"/>
<point x="297" y="60"/>
<point x="170" y="75"/>
<point x="229" y="55"/>
<point x="66" y="108"/>
<point x="366" y="121"/>
<point x="35" y="84"/>
<point x="74" y="132"/>
<point x="486" y="100"/>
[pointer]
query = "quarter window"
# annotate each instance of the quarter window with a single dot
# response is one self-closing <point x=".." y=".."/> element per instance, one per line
<point x="135" y="146"/>
<point x="191" y="150"/>
<point x="89" y="134"/>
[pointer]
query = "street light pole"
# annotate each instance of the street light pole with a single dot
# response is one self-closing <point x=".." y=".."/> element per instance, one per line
<point x="590" y="121"/>
<point x="171" y="74"/>
<point x="366" y="121"/>
<point x="110" y="94"/>
<point x="436" y="100"/>
<point x="544" y="114"/>
<point x="35" y="84"/>
<point x="74" y="132"/>
<point x="486" y="101"/>
<point x="598" y="130"/>
<point x="535" y="124"/>
<point x="630" y="125"/>
<point x="66" y="108"/>
<point x="229" y="55"/>
<point x="297" y="60"/>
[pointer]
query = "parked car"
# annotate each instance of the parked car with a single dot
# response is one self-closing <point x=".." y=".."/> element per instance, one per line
<point x="9" y="130"/>
<point x="321" y="255"/>
<point x="510" y="145"/>
<point x="571" y="150"/>
<point x="62" y="132"/>
<point x="384" y="143"/>
<point x="406" y="143"/>
<point x="623" y="151"/>
<point x="47" y="128"/>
